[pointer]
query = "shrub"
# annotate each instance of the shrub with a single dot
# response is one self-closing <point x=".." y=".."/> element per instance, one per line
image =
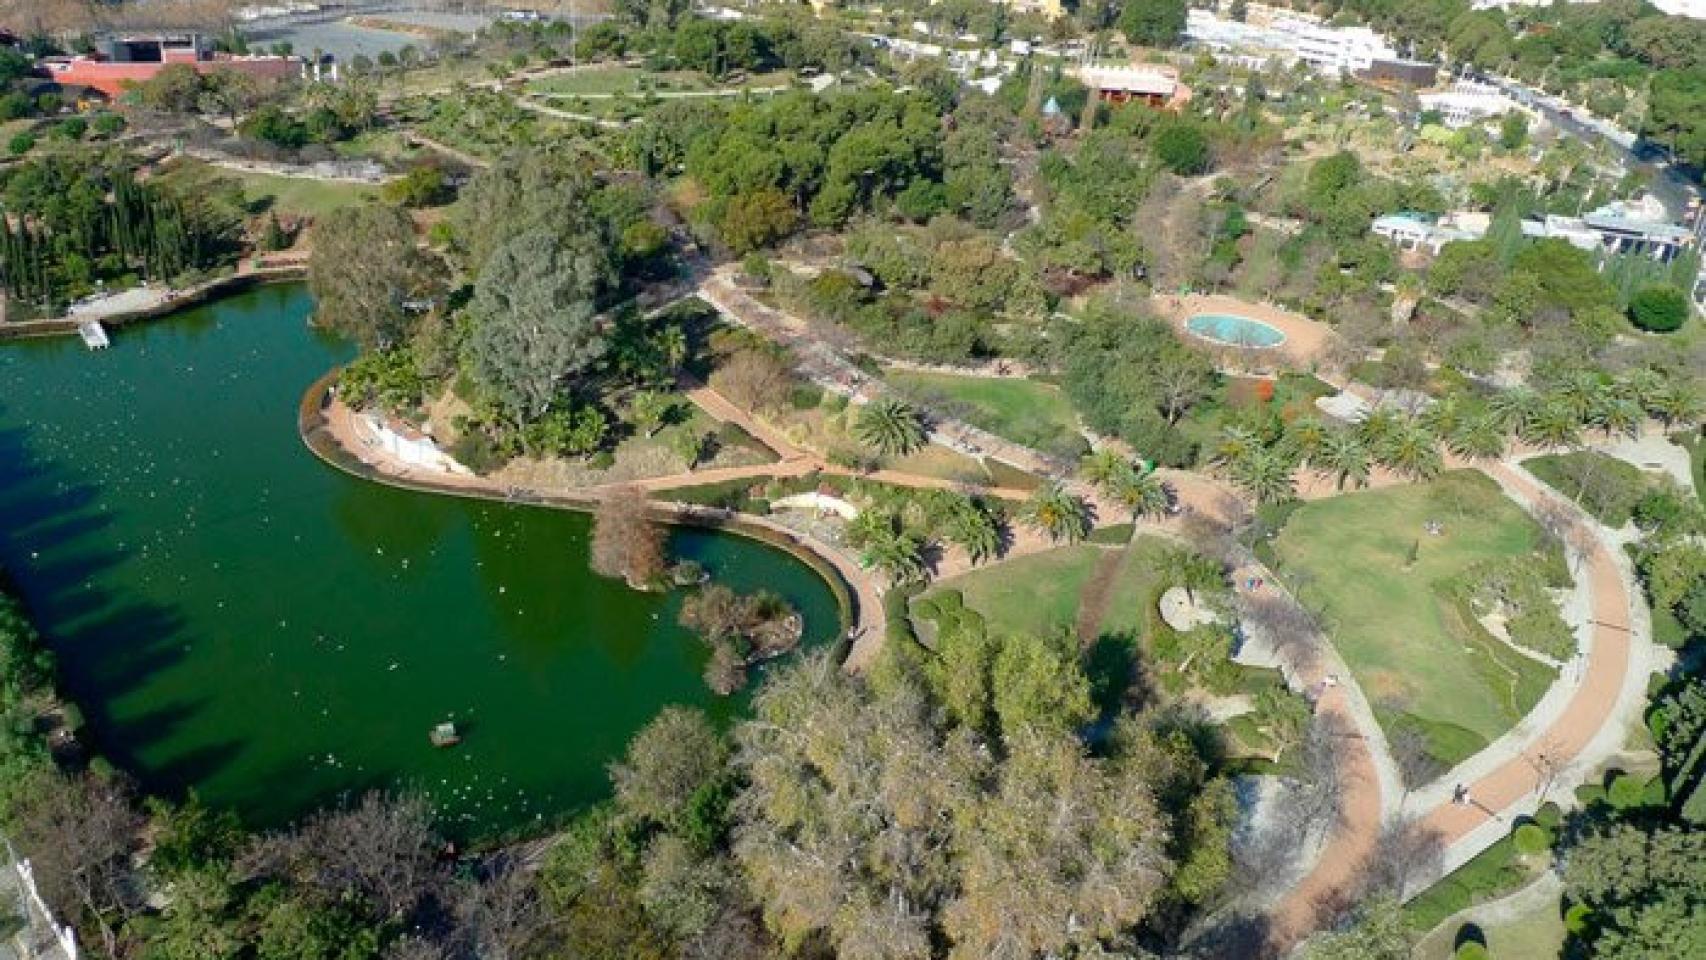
<point x="1626" y="792"/>
<point x="1533" y="839"/>
<point x="21" y="144"/>
<point x="1470" y="950"/>
<point x="1659" y="308"/>
<point x="1589" y="794"/>
<point x="1549" y="815"/>
<point x="805" y="396"/>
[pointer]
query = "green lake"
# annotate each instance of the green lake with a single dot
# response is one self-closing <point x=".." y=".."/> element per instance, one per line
<point x="235" y="616"/>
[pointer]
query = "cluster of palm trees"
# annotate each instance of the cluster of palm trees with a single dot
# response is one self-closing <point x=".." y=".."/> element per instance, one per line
<point x="890" y="533"/>
<point x="1263" y="462"/>
<point x="1127" y="482"/>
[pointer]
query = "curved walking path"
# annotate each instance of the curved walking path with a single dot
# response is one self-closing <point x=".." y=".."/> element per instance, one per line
<point x="1511" y="777"/>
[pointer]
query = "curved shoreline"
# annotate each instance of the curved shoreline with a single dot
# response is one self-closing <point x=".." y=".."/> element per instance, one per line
<point x="859" y="626"/>
<point x="199" y="295"/>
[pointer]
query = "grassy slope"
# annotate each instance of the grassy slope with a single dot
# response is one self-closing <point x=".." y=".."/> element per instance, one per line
<point x="287" y="195"/>
<point x="1020" y="410"/>
<point x="1408" y="648"/>
<point x="1627" y="480"/>
<point x="1032" y="594"/>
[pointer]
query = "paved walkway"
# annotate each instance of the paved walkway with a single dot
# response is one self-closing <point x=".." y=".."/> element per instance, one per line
<point x="1512" y="776"/>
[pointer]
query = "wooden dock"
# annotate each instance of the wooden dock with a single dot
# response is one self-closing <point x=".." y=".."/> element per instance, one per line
<point x="94" y="335"/>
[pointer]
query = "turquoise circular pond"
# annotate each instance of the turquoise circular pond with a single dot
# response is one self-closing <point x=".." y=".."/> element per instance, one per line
<point x="1234" y="330"/>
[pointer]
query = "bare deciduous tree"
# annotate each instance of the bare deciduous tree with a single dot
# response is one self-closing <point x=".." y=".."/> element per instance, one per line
<point x="80" y="832"/>
<point x="383" y="849"/>
<point x="626" y="542"/>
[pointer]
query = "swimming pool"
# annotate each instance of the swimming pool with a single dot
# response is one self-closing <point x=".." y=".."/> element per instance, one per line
<point x="1234" y="330"/>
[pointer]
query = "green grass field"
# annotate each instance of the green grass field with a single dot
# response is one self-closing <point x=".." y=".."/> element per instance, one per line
<point x="1415" y="653"/>
<point x="1041" y="592"/>
<point x="1603" y="485"/>
<point x="1033" y="594"/>
<point x="1023" y="411"/>
<point x="296" y="196"/>
<point x="616" y="78"/>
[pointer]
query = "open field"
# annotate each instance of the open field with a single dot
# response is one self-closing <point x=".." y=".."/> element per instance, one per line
<point x="1368" y="563"/>
<point x="298" y="196"/>
<point x="633" y="81"/>
<point x="1034" y="594"/>
<point x="1023" y="411"/>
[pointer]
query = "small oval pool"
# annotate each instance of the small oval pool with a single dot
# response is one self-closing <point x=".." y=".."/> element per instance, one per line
<point x="1234" y="330"/>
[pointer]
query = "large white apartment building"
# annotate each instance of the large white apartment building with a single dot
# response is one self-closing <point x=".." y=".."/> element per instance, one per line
<point x="1289" y="37"/>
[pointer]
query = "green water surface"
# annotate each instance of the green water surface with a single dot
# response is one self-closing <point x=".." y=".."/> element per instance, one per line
<point x="235" y="616"/>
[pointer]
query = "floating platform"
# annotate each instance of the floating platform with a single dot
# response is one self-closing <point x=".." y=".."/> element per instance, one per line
<point x="94" y="335"/>
<point x="445" y="735"/>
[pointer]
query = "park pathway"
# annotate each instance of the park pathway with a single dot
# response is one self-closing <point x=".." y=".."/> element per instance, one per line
<point x="1511" y="778"/>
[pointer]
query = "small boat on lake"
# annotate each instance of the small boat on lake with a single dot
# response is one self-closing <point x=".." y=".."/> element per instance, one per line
<point x="445" y="735"/>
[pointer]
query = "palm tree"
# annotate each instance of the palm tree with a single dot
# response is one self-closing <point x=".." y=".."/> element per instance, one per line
<point x="1377" y="426"/>
<point x="1344" y="456"/>
<point x="1413" y="452"/>
<point x="650" y="410"/>
<point x="896" y="554"/>
<point x="1265" y="474"/>
<point x="1143" y="494"/>
<point x="1058" y="514"/>
<point x="1477" y="438"/>
<point x="1191" y="570"/>
<point x="1513" y="409"/>
<point x="1306" y="437"/>
<point x="1678" y="401"/>
<point x="1618" y="414"/>
<point x="1580" y="393"/>
<point x="886" y="545"/>
<point x="1104" y="467"/>
<point x="890" y="426"/>
<point x="1235" y="443"/>
<point x="1554" y="424"/>
<point x="974" y="530"/>
<point x="1445" y="414"/>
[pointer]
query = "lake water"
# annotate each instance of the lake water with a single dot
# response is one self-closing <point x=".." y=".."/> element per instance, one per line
<point x="235" y="616"/>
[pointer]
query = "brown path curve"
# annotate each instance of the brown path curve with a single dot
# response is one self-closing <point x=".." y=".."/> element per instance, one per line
<point x="1496" y="793"/>
<point x="1588" y="710"/>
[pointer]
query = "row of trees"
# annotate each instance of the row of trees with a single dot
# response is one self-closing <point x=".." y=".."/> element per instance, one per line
<point x="1262" y="454"/>
<point x="76" y="219"/>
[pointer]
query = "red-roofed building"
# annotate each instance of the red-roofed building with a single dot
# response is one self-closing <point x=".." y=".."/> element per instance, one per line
<point x="122" y="62"/>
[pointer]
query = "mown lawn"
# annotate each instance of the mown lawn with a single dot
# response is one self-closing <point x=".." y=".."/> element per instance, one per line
<point x="1367" y="561"/>
<point x="1032" y="594"/>
<point x="1023" y="411"/>
<point x="616" y="78"/>
<point x="297" y="196"/>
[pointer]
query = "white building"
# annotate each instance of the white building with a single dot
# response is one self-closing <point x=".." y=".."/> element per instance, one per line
<point x="1286" y="37"/>
<point x="1420" y="231"/>
<point x="1469" y="101"/>
<point x="1692" y="9"/>
<point x="1617" y="228"/>
<point x="410" y="446"/>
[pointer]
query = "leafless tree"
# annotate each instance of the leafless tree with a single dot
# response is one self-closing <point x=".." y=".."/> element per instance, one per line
<point x="1291" y="629"/>
<point x="1317" y="805"/>
<point x="753" y="379"/>
<point x="626" y="542"/>
<point x="500" y="913"/>
<point x="1406" y="856"/>
<point x="1409" y="749"/>
<point x="79" y="832"/>
<point x="382" y="849"/>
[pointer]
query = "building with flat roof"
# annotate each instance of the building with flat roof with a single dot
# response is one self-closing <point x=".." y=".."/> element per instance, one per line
<point x="1286" y="37"/>
<point x="1617" y="228"/>
<point x="1421" y="231"/>
<point x="1153" y="84"/>
<point x="121" y="62"/>
<point x="1468" y="102"/>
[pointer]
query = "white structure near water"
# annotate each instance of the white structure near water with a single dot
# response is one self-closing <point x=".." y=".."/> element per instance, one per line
<point x="410" y="446"/>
